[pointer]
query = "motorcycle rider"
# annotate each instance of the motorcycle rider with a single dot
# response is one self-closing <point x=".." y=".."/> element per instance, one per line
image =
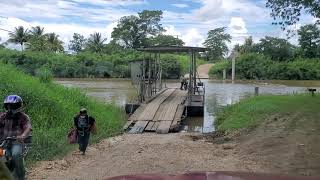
<point x="15" y="123"/>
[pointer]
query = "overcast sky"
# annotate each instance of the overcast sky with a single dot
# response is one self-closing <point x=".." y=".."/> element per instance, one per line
<point x="190" y="20"/>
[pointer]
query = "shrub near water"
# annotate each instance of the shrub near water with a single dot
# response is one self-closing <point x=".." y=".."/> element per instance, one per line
<point x="255" y="66"/>
<point x="51" y="108"/>
<point x="87" y="64"/>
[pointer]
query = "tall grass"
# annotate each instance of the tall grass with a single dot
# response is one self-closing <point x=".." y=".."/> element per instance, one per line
<point x="250" y="112"/>
<point x="51" y="108"/>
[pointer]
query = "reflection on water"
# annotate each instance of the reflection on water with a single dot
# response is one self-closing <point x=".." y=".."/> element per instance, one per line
<point x="218" y="94"/>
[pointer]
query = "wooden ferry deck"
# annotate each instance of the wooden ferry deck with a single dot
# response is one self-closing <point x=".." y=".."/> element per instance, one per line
<point x="160" y="115"/>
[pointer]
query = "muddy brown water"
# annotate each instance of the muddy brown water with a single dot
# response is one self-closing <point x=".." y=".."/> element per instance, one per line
<point x="218" y="94"/>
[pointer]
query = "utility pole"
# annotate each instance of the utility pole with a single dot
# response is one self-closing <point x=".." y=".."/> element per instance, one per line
<point x="234" y="55"/>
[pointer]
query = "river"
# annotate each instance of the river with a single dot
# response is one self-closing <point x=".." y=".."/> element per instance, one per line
<point x="218" y="94"/>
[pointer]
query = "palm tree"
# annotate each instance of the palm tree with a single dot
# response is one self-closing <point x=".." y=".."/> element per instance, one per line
<point x="96" y="42"/>
<point x="37" y="40"/>
<point x="54" y="43"/>
<point x="36" y="31"/>
<point x="19" y="36"/>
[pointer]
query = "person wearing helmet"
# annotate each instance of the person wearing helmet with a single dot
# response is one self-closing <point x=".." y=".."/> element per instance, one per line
<point x="15" y="123"/>
<point x="84" y="125"/>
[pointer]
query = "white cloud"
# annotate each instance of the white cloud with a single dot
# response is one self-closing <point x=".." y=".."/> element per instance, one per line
<point x="113" y="2"/>
<point x="66" y="4"/>
<point x="237" y="27"/>
<point x="65" y="31"/>
<point x="59" y="10"/>
<point x="170" y="30"/>
<point x="218" y="9"/>
<point x="180" y="5"/>
<point x="238" y="31"/>
<point x="191" y="36"/>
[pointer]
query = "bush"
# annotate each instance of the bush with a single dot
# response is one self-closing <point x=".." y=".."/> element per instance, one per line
<point x="259" y="67"/>
<point x="171" y="68"/>
<point x="217" y="70"/>
<point x="252" y="66"/>
<point x="86" y="64"/>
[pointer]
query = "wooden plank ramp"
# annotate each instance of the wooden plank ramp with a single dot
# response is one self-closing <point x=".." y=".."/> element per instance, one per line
<point x="168" y="112"/>
<point x="160" y="114"/>
<point x="177" y="118"/>
<point x="141" y="117"/>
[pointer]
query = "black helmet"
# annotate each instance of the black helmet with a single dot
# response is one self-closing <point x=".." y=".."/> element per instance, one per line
<point x="13" y="103"/>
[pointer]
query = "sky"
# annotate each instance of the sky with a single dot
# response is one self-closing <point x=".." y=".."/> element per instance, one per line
<point x="190" y="20"/>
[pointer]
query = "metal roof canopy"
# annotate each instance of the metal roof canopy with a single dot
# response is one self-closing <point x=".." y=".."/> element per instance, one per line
<point x="164" y="49"/>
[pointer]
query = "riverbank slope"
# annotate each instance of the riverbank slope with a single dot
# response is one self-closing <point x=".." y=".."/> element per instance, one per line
<point x="51" y="108"/>
<point x="280" y="131"/>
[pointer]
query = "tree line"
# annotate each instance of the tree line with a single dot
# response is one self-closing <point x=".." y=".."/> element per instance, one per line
<point x="145" y="29"/>
<point x="276" y="58"/>
<point x="93" y="56"/>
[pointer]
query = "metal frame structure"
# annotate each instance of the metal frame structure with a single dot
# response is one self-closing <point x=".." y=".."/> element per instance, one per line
<point x="151" y="76"/>
<point x="148" y="78"/>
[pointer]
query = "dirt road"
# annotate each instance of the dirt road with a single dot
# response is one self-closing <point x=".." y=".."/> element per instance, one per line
<point x="146" y="153"/>
<point x="203" y="70"/>
<point x="282" y="144"/>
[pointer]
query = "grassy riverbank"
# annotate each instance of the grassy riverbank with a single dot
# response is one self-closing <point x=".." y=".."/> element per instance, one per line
<point x="51" y="108"/>
<point x="253" y="111"/>
<point x="280" y="132"/>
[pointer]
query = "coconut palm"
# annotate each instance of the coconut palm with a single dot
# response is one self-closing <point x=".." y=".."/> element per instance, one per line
<point x="96" y="43"/>
<point x="20" y="35"/>
<point x="37" y="40"/>
<point x="37" y="31"/>
<point x="54" y="43"/>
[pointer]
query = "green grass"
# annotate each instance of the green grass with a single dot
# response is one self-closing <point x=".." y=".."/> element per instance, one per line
<point x="51" y="108"/>
<point x="250" y="112"/>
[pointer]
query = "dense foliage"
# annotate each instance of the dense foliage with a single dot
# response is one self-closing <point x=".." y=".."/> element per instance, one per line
<point x="164" y="40"/>
<point x="87" y="64"/>
<point x="309" y="40"/>
<point x="132" y="31"/>
<point x="51" y="108"/>
<point x="216" y="42"/>
<point x="288" y="12"/>
<point x="276" y="58"/>
<point x="255" y="66"/>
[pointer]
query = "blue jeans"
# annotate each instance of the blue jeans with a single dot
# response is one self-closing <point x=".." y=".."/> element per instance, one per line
<point x="19" y="170"/>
